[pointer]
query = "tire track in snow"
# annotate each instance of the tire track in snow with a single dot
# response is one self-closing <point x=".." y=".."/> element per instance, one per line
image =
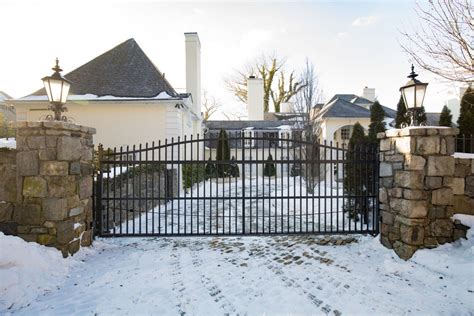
<point x="178" y="286"/>
<point x="213" y="289"/>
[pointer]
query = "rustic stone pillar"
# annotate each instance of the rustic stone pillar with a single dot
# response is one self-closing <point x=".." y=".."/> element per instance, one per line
<point x="54" y="176"/>
<point x="416" y="195"/>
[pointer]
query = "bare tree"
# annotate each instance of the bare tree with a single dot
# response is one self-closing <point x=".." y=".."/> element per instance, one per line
<point x="236" y="115"/>
<point x="443" y="42"/>
<point x="268" y="68"/>
<point x="209" y="105"/>
<point x="305" y="101"/>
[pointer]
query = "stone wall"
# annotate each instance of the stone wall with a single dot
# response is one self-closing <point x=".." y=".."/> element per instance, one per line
<point x="8" y="190"/>
<point x="53" y="184"/>
<point x="463" y="185"/>
<point x="416" y="188"/>
<point x="137" y="183"/>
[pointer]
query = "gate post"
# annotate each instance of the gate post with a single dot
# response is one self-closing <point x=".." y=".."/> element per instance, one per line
<point x="415" y="195"/>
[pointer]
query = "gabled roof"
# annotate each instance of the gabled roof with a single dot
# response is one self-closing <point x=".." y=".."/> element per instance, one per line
<point x="4" y="96"/>
<point x="123" y="71"/>
<point x="339" y="107"/>
<point x="363" y="102"/>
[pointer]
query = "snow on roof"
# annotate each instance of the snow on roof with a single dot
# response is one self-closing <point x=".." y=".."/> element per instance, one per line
<point x="285" y="127"/>
<point x="78" y="97"/>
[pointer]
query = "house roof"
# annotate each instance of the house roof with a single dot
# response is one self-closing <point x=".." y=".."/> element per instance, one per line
<point x="432" y="119"/>
<point x="339" y="107"/>
<point x="4" y="96"/>
<point x="355" y="100"/>
<point x="239" y="125"/>
<point x="123" y="71"/>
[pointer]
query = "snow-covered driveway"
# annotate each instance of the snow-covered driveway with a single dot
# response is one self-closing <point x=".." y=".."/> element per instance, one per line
<point x="257" y="275"/>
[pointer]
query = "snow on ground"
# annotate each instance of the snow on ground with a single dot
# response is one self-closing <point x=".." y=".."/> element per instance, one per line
<point x="265" y="210"/>
<point x="27" y="270"/>
<point x="8" y="143"/>
<point x="246" y="275"/>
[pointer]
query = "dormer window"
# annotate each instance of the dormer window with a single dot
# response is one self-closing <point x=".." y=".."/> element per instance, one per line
<point x="285" y="137"/>
<point x="248" y="138"/>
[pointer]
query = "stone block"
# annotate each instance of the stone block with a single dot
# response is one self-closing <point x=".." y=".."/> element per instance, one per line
<point x="9" y="228"/>
<point x="87" y="154"/>
<point x="427" y="145"/>
<point x="395" y="192"/>
<point x="55" y="209"/>
<point x="385" y="169"/>
<point x="394" y="158"/>
<point x="463" y="204"/>
<point x="27" y="214"/>
<point x="443" y="196"/>
<point x="69" y="148"/>
<point x="54" y="168"/>
<point x="436" y="212"/>
<point x="433" y="182"/>
<point x="85" y="187"/>
<point x="34" y="187"/>
<point x="413" y="131"/>
<point x="61" y="186"/>
<point x="442" y="228"/>
<point x="409" y="208"/>
<point x="462" y="170"/>
<point x="45" y="239"/>
<point x="403" y="250"/>
<point x="413" y="162"/>
<point x="430" y="242"/>
<point x="385" y="144"/>
<point x="386" y="182"/>
<point x="76" y="211"/>
<point x="51" y="141"/>
<point x="75" y="168"/>
<point x="36" y="142"/>
<point x="47" y="154"/>
<point x="383" y="197"/>
<point x="414" y="194"/>
<point x="6" y="211"/>
<point x="387" y="217"/>
<point x="28" y="237"/>
<point x="409" y="179"/>
<point x="86" y="240"/>
<point x="440" y="166"/>
<point x="74" y="246"/>
<point x="412" y="235"/>
<point x="8" y="183"/>
<point x="405" y="145"/>
<point x="86" y="169"/>
<point x="457" y="184"/>
<point x="39" y="230"/>
<point x="65" y="231"/>
<point x="27" y="163"/>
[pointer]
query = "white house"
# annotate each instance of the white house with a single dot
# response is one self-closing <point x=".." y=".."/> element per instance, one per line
<point x="126" y="98"/>
<point x="7" y="114"/>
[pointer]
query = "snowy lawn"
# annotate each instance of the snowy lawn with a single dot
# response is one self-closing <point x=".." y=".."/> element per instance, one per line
<point x="248" y="275"/>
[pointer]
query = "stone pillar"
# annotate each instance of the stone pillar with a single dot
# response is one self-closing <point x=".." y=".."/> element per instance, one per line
<point x="416" y="195"/>
<point x="54" y="176"/>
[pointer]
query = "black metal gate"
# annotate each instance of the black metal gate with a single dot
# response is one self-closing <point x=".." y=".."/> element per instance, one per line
<point x="236" y="185"/>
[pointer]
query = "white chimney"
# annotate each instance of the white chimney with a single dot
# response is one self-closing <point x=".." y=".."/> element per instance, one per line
<point x="255" y="98"/>
<point x="193" y="69"/>
<point x="369" y="94"/>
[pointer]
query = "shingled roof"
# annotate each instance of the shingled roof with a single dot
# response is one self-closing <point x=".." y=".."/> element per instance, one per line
<point x="354" y="100"/>
<point x="123" y="71"/>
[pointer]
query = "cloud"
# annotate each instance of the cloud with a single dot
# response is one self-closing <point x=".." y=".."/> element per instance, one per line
<point x="364" y="21"/>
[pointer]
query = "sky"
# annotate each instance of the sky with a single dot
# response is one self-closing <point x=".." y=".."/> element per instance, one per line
<point x="352" y="44"/>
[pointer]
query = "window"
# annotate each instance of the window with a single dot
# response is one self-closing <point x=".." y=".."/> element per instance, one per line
<point x="285" y="136"/>
<point x="345" y="133"/>
<point x="248" y="141"/>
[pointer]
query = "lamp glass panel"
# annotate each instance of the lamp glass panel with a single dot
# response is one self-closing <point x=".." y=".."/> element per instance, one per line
<point x="65" y="92"/>
<point x="56" y="87"/>
<point x="420" y="95"/>
<point x="409" y="96"/>
<point x="46" y="87"/>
